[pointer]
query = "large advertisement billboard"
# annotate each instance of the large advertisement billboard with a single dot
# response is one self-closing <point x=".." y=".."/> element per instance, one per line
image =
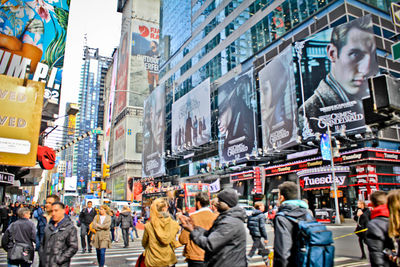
<point x="153" y="134"/>
<point x="122" y="75"/>
<point x="278" y="102"/>
<point x="237" y="118"/>
<point x="145" y="60"/>
<point x="33" y="33"/>
<point x="119" y="142"/>
<point x="191" y="119"/>
<point x="335" y="65"/>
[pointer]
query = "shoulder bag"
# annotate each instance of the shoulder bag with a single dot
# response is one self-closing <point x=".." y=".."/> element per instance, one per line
<point x="20" y="251"/>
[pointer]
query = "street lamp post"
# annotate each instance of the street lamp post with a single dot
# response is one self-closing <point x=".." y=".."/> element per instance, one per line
<point x="337" y="217"/>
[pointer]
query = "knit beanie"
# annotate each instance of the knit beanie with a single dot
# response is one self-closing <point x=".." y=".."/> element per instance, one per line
<point x="229" y="196"/>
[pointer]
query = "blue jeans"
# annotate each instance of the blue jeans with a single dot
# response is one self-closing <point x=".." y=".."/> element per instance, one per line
<point x="101" y="256"/>
<point x="18" y="264"/>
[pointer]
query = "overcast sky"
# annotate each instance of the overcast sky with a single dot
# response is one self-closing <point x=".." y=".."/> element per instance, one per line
<point x="101" y="22"/>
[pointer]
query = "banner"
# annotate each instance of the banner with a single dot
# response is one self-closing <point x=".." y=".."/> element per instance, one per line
<point x="236" y="121"/>
<point x="278" y="102"/>
<point x="21" y="113"/>
<point x="153" y="134"/>
<point x="335" y="65"/>
<point x="33" y="33"/>
<point x="215" y="186"/>
<point x="191" y="118"/>
<point x="145" y="60"/>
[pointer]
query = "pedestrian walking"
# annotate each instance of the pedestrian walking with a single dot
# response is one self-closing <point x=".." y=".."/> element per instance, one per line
<point x="116" y="226"/>
<point x="377" y="237"/>
<point x="60" y="241"/>
<point x="203" y="217"/>
<point x="21" y="233"/>
<point x="101" y="240"/>
<point x="257" y="228"/>
<point x="126" y="223"/>
<point x="290" y="206"/>
<point x="362" y="218"/>
<point x="393" y="203"/>
<point x="225" y="243"/>
<point x="113" y="225"/>
<point x="135" y="221"/>
<point x="4" y="218"/>
<point x="43" y="218"/>
<point x="159" y="237"/>
<point x="85" y="219"/>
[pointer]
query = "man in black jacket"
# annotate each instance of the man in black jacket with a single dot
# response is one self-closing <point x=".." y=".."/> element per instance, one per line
<point x="4" y="217"/>
<point x="225" y="242"/>
<point x="256" y="224"/>
<point x="60" y="242"/>
<point x="22" y="231"/>
<point x="377" y="237"/>
<point x="85" y="218"/>
<point x="285" y="230"/>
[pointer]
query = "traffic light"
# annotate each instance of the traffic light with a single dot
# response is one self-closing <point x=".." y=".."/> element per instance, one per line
<point x="103" y="186"/>
<point x="106" y="170"/>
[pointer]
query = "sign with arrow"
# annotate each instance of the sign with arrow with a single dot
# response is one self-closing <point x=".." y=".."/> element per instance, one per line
<point x="396" y="14"/>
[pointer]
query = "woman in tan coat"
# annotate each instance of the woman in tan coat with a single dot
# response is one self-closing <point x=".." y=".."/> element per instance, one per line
<point x="101" y="239"/>
<point x="159" y="237"/>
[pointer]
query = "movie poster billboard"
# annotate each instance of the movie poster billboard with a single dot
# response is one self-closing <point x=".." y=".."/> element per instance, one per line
<point x="335" y="65"/>
<point x="237" y="118"/>
<point x="144" y="61"/>
<point x="191" y="119"/>
<point x="278" y="102"/>
<point x="34" y="33"/>
<point x="153" y="134"/>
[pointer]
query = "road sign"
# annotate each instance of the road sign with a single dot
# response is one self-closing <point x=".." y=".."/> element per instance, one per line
<point x="396" y="51"/>
<point x="396" y="14"/>
<point x="97" y="131"/>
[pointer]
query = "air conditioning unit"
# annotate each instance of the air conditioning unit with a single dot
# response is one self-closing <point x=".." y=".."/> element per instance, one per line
<point x="385" y="94"/>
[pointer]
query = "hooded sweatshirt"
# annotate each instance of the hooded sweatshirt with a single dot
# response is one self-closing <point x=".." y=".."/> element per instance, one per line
<point x="159" y="240"/>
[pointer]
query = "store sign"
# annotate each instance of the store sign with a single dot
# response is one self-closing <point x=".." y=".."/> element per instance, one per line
<point x="242" y="176"/>
<point x="322" y="181"/>
<point x="6" y="178"/>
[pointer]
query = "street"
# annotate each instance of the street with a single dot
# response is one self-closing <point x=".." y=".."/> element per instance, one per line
<point x="347" y="252"/>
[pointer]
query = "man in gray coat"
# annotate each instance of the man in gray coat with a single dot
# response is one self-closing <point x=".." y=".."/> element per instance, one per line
<point x="225" y="242"/>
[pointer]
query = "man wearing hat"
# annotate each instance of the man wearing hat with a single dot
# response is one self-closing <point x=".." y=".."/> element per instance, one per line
<point x="225" y="243"/>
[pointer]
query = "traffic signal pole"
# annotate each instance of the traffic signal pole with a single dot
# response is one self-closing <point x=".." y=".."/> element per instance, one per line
<point x="337" y="217"/>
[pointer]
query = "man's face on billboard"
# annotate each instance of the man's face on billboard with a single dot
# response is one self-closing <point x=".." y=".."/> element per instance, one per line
<point x="353" y="65"/>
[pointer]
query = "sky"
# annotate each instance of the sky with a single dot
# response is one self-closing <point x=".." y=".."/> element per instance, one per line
<point x="101" y="22"/>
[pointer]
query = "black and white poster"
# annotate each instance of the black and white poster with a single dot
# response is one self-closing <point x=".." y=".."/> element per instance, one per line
<point x="278" y="102"/>
<point x="236" y="120"/>
<point x="153" y="134"/>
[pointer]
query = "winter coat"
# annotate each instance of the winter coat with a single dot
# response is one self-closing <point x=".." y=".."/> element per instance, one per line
<point x="377" y="237"/>
<point x="113" y="222"/>
<point x="256" y="224"/>
<point x="203" y="218"/>
<point x="125" y="220"/>
<point x="42" y="221"/>
<point x="286" y="233"/>
<point x="362" y="221"/>
<point x="86" y="217"/>
<point x="225" y="242"/>
<point x="23" y="231"/>
<point x="101" y="238"/>
<point x="159" y="242"/>
<point x="59" y="245"/>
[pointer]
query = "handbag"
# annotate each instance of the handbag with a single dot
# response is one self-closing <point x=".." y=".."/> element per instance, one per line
<point x="140" y="261"/>
<point x="20" y="252"/>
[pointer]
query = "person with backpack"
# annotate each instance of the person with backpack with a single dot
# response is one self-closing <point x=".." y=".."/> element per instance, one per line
<point x="296" y="231"/>
<point x="362" y="218"/>
<point x="256" y="224"/>
<point x="377" y="237"/>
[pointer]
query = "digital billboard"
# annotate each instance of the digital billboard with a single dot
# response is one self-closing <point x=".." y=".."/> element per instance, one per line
<point x="34" y="33"/>
<point x="278" y="102"/>
<point x="153" y="134"/>
<point x="335" y="65"/>
<point x="191" y="118"/>
<point x="237" y="118"/>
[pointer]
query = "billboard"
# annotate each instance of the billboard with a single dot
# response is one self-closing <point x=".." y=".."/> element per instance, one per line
<point x="191" y="118"/>
<point x="127" y="133"/>
<point x="34" y="33"/>
<point x="278" y="102"/>
<point x="70" y="183"/>
<point x="335" y="65"/>
<point x="237" y="118"/>
<point x="153" y="134"/>
<point x="119" y="142"/>
<point x="123" y="70"/>
<point x="144" y="61"/>
<point x="21" y="113"/>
